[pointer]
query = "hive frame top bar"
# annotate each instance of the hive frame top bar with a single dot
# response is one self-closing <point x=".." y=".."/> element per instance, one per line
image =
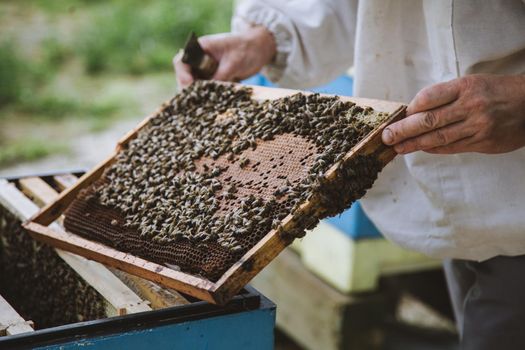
<point x="269" y="93"/>
<point x="238" y="275"/>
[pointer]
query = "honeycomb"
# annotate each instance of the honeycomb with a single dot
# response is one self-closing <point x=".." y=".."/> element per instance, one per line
<point x="215" y="171"/>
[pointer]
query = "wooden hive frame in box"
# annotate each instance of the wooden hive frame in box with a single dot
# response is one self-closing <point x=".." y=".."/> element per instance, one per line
<point x="123" y="293"/>
<point x="241" y="272"/>
<point x="119" y="299"/>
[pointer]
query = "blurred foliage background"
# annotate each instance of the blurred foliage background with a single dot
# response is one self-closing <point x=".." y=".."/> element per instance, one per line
<point x="68" y="67"/>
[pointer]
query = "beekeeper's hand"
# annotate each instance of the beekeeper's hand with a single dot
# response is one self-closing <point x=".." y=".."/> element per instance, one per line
<point x="239" y="55"/>
<point x="477" y="113"/>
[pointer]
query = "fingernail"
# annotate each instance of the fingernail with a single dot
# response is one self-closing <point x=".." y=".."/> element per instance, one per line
<point x="399" y="149"/>
<point x="388" y="136"/>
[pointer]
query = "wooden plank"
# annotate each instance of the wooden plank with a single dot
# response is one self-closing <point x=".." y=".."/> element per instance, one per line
<point x="120" y="299"/>
<point x="36" y="189"/>
<point x="315" y="315"/>
<point x="123" y="300"/>
<point x="11" y="322"/>
<point x="353" y="266"/>
<point x="64" y="181"/>
<point x="185" y="283"/>
<point x="98" y="276"/>
<point x="157" y="296"/>
<point x="252" y="262"/>
<point x="53" y="210"/>
<point x="19" y="328"/>
<point x="270" y="93"/>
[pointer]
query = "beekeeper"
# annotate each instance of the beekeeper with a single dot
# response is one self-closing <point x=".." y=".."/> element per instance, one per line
<point x="458" y="191"/>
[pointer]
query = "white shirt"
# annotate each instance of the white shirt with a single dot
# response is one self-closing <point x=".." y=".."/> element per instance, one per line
<point x="469" y="206"/>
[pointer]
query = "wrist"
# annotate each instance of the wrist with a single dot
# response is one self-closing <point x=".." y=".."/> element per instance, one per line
<point x="264" y="42"/>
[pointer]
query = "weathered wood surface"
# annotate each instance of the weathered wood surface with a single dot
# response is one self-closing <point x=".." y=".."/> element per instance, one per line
<point x="11" y="322"/>
<point x="54" y="209"/>
<point x="120" y="299"/>
<point x="64" y="181"/>
<point x="316" y="315"/>
<point x="249" y="265"/>
<point x="158" y="296"/>
<point x="57" y="237"/>
<point x="37" y="190"/>
<point x="353" y="266"/>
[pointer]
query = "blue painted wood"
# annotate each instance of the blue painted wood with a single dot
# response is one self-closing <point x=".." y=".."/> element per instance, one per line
<point x="353" y="222"/>
<point x="343" y="85"/>
<point x="245" y="330"/>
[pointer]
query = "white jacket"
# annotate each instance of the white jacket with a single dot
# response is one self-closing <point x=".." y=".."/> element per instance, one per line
<point x="469" y="206"/>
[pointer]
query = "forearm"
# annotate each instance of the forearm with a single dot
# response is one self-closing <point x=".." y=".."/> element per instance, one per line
<point x="314" y="39"/>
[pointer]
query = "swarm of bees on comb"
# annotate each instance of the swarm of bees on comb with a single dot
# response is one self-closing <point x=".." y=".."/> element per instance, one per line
<point x="217" y="167"/>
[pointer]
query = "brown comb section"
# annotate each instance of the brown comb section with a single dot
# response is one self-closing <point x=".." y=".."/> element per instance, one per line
<point x="283" y="161"/>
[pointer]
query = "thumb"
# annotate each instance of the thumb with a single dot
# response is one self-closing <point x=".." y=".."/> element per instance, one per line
<point x="214" y="45"/>
<point x="182" y="72"/>
<point x="225" y="71"/>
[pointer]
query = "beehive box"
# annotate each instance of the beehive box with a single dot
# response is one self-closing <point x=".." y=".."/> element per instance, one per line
<point x="50" y="287"/>
<point x="54" y="299"/>
<point x="210" y="188"/>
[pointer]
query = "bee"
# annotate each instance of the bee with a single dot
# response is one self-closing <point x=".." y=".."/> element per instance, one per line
<point x="281" y="191"/>
<point x="236" y="248"/>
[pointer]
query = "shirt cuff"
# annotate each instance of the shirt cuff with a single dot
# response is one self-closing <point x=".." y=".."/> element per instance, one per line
<point x="276" y="23"/>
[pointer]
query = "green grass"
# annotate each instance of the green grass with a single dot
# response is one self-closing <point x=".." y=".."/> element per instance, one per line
<point x="118" y="37"/>
<point x="55" y="53"/>
<point x="21" y="78"/>
<point x="28" y="150"/>
<point x="11" y="74"/>
<point x="48" y="107"/>
<point x="22" y="88"/>
<point x="55" y="75"/>
<point x="137" y="37"/>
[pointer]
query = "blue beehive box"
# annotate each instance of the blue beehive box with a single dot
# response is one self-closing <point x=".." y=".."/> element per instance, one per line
<point x="247" y="322"/>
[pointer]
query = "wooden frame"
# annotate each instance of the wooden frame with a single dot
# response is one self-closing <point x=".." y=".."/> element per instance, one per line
<point x="11" y="322"/>
<point x="120" y="300"/>
<point x="42" y="193"/>
<point x="238" y="275"/>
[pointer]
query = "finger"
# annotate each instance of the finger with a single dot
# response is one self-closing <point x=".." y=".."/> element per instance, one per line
<point x="226" y="70"/>
<point x="214" y="44"/>
<point x="420" y="123"/>
<point x="464" y="145"/>
<point x="436" y="138"/>
<point x="182" y="72"/>
<point x="434" y="96"/>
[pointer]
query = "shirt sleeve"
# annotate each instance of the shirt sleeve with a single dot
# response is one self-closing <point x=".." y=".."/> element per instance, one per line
<point x="315" y="39"/>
